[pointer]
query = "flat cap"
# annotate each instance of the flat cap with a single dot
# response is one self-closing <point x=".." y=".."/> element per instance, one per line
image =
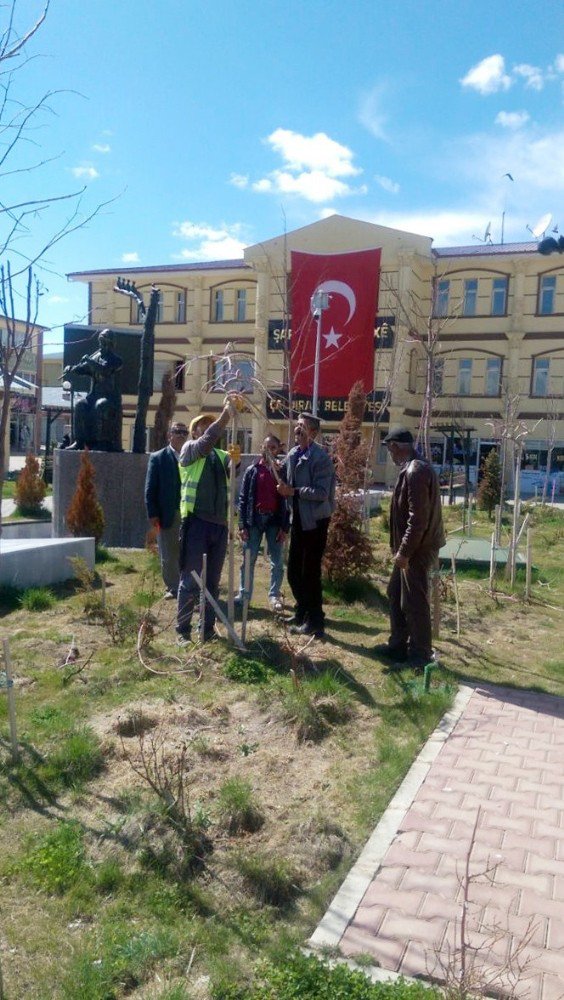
<point x="399" y="434"/>
<point x="315" y="421"/>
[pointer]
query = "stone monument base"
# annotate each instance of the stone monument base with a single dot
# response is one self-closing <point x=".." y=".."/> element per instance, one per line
<point x="119" y="482"/>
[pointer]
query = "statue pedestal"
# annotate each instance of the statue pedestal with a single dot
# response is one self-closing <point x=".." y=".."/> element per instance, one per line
<point x="120" y="484"/>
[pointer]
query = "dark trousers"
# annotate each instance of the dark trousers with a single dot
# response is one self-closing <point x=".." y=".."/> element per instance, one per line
<point x="410" y="610"/>
<point x="197" y="537"/>
<point x="304" y="569"/>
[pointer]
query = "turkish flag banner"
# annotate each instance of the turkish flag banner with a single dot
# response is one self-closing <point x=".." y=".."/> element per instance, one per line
<point x="346" y="356"/>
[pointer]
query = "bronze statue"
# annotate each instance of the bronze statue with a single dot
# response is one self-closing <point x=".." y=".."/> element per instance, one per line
<point x="98" y="417"/>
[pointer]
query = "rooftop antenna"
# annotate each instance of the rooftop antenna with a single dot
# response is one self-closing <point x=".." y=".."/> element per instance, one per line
<point x="487" y="237"/>
<point x="541" y="227"/>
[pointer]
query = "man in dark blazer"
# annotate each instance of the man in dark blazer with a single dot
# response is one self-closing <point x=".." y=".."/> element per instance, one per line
<point x="162" y="501"/>
<point x="416" y="535"/>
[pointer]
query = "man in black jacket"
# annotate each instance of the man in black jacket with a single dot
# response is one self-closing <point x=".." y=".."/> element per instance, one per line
<point x="162" y="500"/>
<point x="263" y="512"/>
<point x="416" y="535"/>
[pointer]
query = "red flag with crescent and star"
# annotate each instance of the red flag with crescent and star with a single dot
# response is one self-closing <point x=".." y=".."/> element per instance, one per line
<point x="351" y="282"/>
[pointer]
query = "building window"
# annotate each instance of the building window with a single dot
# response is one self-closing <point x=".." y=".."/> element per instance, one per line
<point x="499" y="296"/>
<point x="464" y="383"/>
<point x="181" y="307"/>
<point x="160" y="369"/>
<point x="438" y="376"/>
<point x="233" y="376"/>
<point x="541" y="367"/>
<point x="441" y="298"/>
<point x="217" y="311"/>
<point x="547" y="294"/>
<point x="241" y="305"/>
<point x="493" y="376"/>
<point x="470" y="297"/>
<point x="179" y="369"/>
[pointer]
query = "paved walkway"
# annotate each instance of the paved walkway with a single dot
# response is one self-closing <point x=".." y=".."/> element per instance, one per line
<point x="480" y="817"/>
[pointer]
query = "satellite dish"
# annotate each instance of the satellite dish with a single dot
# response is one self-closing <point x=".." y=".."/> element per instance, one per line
<point x="488" y="233"/>
<point x="541" y="226"/>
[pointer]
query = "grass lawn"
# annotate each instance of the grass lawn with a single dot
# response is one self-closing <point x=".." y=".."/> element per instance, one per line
<point x="178" y="814"/>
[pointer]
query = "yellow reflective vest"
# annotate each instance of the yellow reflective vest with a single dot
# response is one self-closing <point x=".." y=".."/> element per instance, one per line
<point x="203" y="487"/>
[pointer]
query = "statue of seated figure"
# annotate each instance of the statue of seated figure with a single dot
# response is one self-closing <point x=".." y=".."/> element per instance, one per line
<point x="98" y="417"/>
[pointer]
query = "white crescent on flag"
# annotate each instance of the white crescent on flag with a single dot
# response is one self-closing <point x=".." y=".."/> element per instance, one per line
<point x="339" y="288"/>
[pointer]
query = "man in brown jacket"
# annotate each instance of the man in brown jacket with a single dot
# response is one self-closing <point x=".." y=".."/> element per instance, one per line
<point x="416" y="535"/>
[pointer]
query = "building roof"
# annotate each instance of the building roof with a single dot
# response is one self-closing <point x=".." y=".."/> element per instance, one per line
<point x="486" y="250"/>
<point x="210" y="265"/>
<point x="57" y="398"/>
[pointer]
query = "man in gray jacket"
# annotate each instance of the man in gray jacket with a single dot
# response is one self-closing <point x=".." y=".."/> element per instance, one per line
<point x="310" y="482"/>
<point x="416" y="535"/>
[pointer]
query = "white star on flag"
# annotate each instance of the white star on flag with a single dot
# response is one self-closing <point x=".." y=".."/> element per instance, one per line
<point x="332" y="339"/>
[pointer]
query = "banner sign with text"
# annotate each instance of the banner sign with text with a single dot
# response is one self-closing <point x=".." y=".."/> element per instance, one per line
<point x="383" y="333"/>
<point x="345" y="327"/>
<point x="329" y="407"/>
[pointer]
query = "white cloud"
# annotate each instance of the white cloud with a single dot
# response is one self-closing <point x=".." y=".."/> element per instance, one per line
<point x="101" y="147"/>
<point x="313" y="167"/>
<point x="512" y="119"/>
<point x="532" y="76"/>
<point x="239" y="180"/>
<point x="209" y="243"/>
<point x="130" y="258"/>
<point x="387" y="184"/>
<point x="488" y="76"/>
<point x="370" y="113"/>
<point x="57" y="300"/>
<point x="314" y="152"/>
<point x="559" y="64"/>
<point x="86" y="173"/>
<point x="326" y="213"/>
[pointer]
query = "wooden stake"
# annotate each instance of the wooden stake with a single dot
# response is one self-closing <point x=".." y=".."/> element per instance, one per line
<point x="455" y="587"/>
<point x="436" y="599"/>
<point x="529" y="567"/>
<point x="498" y="524"/>
<point x="203" y="596"/>
<point x="231" y="531"/>
<point x="11" y="700"/>
<point x="492" y="563"/>
<point x="246" y="596"/>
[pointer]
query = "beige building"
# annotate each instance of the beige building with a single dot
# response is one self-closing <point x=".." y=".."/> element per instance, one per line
<point x="494" y="312"/>
<point x="23" y="432"/>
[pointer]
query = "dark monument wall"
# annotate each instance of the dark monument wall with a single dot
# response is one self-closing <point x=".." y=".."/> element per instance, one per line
<point x="120" y="484"/>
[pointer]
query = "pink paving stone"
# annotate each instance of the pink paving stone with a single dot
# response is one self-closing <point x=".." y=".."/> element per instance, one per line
<point x="368" y="918"/>
<point x="537" y="865"/>
<point x="533" y="929"/>
<point x="404" y="900"/>
<point x="541" y="829"/>
<point x="549" y="816"/>
<point x="386" y="951"/>
<point x="446" y="886"/>
<point x="553" y="791"/>
<point x="517" y="823"/>
<point x="532" y="905"/>
<point x="434" y="907"/>
<point x="391" y="874"/>
<point x="449" y="799"/>
<point x="558" y="888"/>
<point x="400" y="925"/>
<point x="522" y="880"/>
<point x="415" y="820"/>
<point x="542" y="846"/>
<point x="505" y="898"/>
<point x="418" y="960"/>
<point x="444" y="845"/>
<point x="400" y="855"/>
<point x="552" y="987"/>
<point x="490" y="836"/>
<point x="556" y="935"/>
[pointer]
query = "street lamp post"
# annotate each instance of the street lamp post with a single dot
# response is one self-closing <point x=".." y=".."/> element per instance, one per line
<point x="319" y="303"/>
<point x="68" y="387"/>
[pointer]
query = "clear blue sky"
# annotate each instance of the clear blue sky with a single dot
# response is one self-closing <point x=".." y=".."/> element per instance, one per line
<point x="215" y="124"/>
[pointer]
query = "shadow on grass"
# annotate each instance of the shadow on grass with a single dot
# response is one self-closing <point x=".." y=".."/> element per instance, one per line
<point x="22" y="775"/>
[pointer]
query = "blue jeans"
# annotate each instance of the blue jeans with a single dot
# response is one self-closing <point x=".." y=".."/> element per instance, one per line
<point x="263" y="525"/>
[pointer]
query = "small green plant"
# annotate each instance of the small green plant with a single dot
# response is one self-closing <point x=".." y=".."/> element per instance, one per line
<point x="309" y="978"/>
<point x="37" y="599"/>
<point x="103" y="555"/>
<point x="244" y="671"/>
<point x="238" y="811"/>
<point x="56" y="861"/>
<point x="317" y="705"/>
<point x="271" y="879"/>
<point x="77" y="759"/>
